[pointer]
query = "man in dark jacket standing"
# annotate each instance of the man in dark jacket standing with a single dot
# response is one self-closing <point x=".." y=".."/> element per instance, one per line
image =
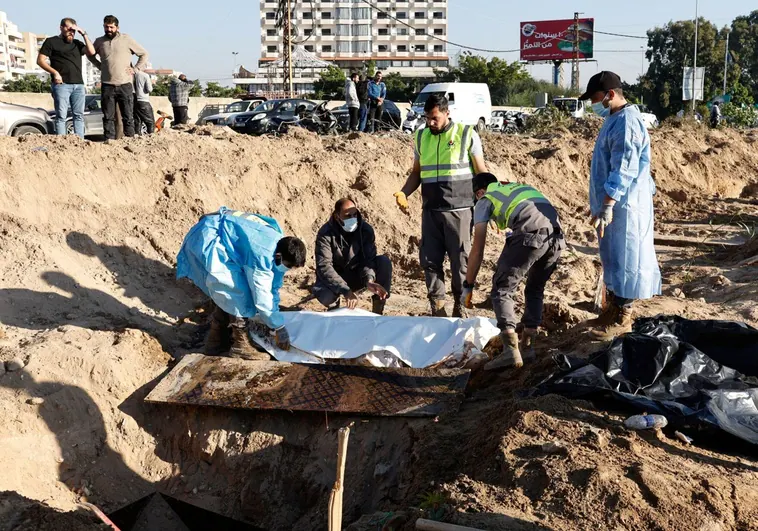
<point x="346" y="260"/>
<point x="362" y="90"/>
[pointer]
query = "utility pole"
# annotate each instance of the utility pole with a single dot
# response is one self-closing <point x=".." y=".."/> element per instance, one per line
<point x="284" y="22"/>
<point x="234" y="61"/>
<point x="575" y="64"/>
<point x="694" y="70"/>
<point x="726" y="59"/>
<point x="289" y="47"/>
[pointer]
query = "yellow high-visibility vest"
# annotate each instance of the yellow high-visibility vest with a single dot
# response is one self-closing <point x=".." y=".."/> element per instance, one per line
<point x="508" y="200"/>
<point x="446" y="169"/>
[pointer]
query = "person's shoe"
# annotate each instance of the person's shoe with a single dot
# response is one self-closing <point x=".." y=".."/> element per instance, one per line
<point x="219" y="338"/>
<point x="510" y="357"/>
<point x="438" y="308"/>
<point x="377" y="305"/>
<point x="459" y="310"/>
<point x="528" y="338"/>
<point x="621" y="325"/>
<point x="242" y="347"/>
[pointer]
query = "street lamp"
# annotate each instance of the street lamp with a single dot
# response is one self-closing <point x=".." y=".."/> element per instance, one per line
<point x="234" y="58"/>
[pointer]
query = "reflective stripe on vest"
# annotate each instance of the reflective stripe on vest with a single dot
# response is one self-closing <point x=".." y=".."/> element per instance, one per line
<point x="508" y="200"/>
<point x="444" y="157"/>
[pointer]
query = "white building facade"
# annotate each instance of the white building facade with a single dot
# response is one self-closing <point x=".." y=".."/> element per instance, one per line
<point x="402" y="36"/>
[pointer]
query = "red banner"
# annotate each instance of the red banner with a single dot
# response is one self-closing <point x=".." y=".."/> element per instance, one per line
<point x="550" y="40"/>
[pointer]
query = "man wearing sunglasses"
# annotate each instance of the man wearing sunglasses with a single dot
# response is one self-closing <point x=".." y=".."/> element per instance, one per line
<point x="239" y="260"/>
<point x="346" y="260"/>
<point x="61" y="57"/>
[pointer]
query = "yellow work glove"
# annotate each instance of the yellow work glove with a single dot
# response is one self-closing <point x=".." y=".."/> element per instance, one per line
<point x="401" y="200"/>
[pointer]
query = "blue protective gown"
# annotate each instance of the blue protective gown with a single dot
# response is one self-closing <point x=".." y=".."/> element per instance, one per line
<point x="621" y="170"/>
<point x="230" y="256"/>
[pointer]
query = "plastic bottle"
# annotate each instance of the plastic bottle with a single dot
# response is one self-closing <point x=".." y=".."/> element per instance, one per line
<point x="646" y="422"/>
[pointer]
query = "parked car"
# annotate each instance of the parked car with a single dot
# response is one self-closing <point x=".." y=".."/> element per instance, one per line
<point x="391" y="116"/>
<point x="498" y="119"/>
<point x="20" y="120"/>
<point x="269" y="115"/>
<point x="231" y="112"/>
<point x="651" y="120"/>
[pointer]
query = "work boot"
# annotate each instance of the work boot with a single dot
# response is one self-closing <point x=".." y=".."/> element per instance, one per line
<point x="377" y="305"/>
<point x="219" y="338"/>
<point x="528" y="338"/>
<point x="242" y="347"/>
<point x="622" y="324"/>
<point x="459" y="310"/>
<point x="607" y="316"/>
<point x="438" y="308"/>
<point x="510" y="357"/>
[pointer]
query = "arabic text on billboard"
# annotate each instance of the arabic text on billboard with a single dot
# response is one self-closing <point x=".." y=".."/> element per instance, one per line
<point x="550" y="40"/>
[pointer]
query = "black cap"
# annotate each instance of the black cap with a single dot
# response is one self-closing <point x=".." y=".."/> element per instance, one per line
<point x="602" y="82"/>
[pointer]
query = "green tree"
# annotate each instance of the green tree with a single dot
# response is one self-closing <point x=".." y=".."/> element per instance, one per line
<point x="162" y="86"/>
<point x="215" y="90"/>
<point x="743" y="42"/>
<point x="741" y="95"/>
<point x="398" y="88"/>
<point x="27" y="83"/>
<point x="197" y="89"/>
<point x="670" y="50"/>
<point x="371" y="68"/>
<point x="331" y="83"/>
<point x="501" y="76"/>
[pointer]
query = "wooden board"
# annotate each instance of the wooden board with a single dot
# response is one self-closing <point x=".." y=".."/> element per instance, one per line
<point x="225" y="382"/>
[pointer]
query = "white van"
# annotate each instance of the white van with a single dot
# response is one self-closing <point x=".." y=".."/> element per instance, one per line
<point x="470" y="103"/>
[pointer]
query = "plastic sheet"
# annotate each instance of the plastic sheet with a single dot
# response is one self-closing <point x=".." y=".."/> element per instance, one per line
<point x="382" y="341"/>
<point x="685" y="370"/>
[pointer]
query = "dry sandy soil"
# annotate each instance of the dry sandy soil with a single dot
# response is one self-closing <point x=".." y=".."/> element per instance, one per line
<point x="90" y="307"/>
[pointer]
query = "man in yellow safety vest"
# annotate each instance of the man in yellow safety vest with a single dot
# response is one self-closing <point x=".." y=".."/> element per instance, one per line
<point x="447" y="156"/>
<point x="532" y="250"/>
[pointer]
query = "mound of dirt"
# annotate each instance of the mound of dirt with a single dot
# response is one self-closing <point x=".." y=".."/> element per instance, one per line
<point x="90" y="307"/>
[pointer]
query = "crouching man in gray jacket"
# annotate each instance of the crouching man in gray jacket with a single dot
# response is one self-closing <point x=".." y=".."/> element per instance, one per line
<point x="346" y="261"/>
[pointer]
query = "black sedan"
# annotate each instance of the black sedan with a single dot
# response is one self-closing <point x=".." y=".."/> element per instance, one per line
<point x="267" y="116"/>
<point x="391" y="117"/>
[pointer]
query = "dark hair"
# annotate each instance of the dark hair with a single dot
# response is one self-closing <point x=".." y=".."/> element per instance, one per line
<point x="68" y="19"/>
<point x="341" y="203"/>
<point x="110" y="19"/>
<point x="377" y="72"/>
<point x="355" y="74"/>
<point x="292" y="251"/>
<point x="483" y="180"/>
<point x="436" y="100"/>
<point x="619" y="91"/>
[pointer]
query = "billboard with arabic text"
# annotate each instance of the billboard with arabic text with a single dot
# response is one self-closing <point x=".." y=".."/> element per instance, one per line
<point x="551" y="40"/>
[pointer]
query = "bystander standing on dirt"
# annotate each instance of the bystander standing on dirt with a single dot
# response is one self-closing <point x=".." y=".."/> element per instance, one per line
<point x="143" y="110"/>
<point x="362" y="91"/>
<point x="621" y="202"/>
<point x="179" y="97"/>
<point x="115" y="50"/>
<point x="446" y="156"/>
<point x="351" y="99"/>
<point x="377" y="91"/>
<point x="64" y="54"/>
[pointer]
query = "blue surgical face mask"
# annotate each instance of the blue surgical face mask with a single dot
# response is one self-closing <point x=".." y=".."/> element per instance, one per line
<point x="350" y="225"/>
<point x="281" y="268"/>
<point x="601" y="110"/>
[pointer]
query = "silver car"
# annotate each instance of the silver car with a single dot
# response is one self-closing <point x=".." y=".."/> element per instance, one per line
<point x="93" y="117"/>
<point x="19" y="120"/>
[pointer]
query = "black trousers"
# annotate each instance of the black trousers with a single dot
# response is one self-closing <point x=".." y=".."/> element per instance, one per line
<point x="181" y="115"/>
<point x="383" y="277"/>
<point x="143" y="114"/>
<point x="374" y="117"/>
<point x="355" y="117"/>
<point x="123" y="96"/>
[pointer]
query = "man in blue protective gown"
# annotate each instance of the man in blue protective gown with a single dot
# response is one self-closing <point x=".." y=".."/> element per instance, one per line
<point x="239" y="259"/>
<point x="621" y="201"/>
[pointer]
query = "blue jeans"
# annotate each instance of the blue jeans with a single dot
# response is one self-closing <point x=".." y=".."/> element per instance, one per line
<point x="363" y="117"/>
<point x="67" y="96"/>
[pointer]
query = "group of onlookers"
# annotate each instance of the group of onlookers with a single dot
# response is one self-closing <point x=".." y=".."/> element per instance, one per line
<point x="365" y="101"/>
<point x="123" y="84"/>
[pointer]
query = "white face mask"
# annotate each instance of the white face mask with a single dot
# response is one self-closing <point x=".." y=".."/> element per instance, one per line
<point x="350" y="225"/>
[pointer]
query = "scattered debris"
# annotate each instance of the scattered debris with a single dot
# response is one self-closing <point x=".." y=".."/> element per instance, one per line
<point x="16" y="364"/>
<point x="682" y="437"/>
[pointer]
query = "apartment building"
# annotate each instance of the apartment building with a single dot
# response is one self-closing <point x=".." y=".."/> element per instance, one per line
<point x="400" y="36"/>
<point x="13" y="60"/>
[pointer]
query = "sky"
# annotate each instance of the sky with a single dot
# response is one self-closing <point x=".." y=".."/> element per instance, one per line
<point x="201" y="37"/>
